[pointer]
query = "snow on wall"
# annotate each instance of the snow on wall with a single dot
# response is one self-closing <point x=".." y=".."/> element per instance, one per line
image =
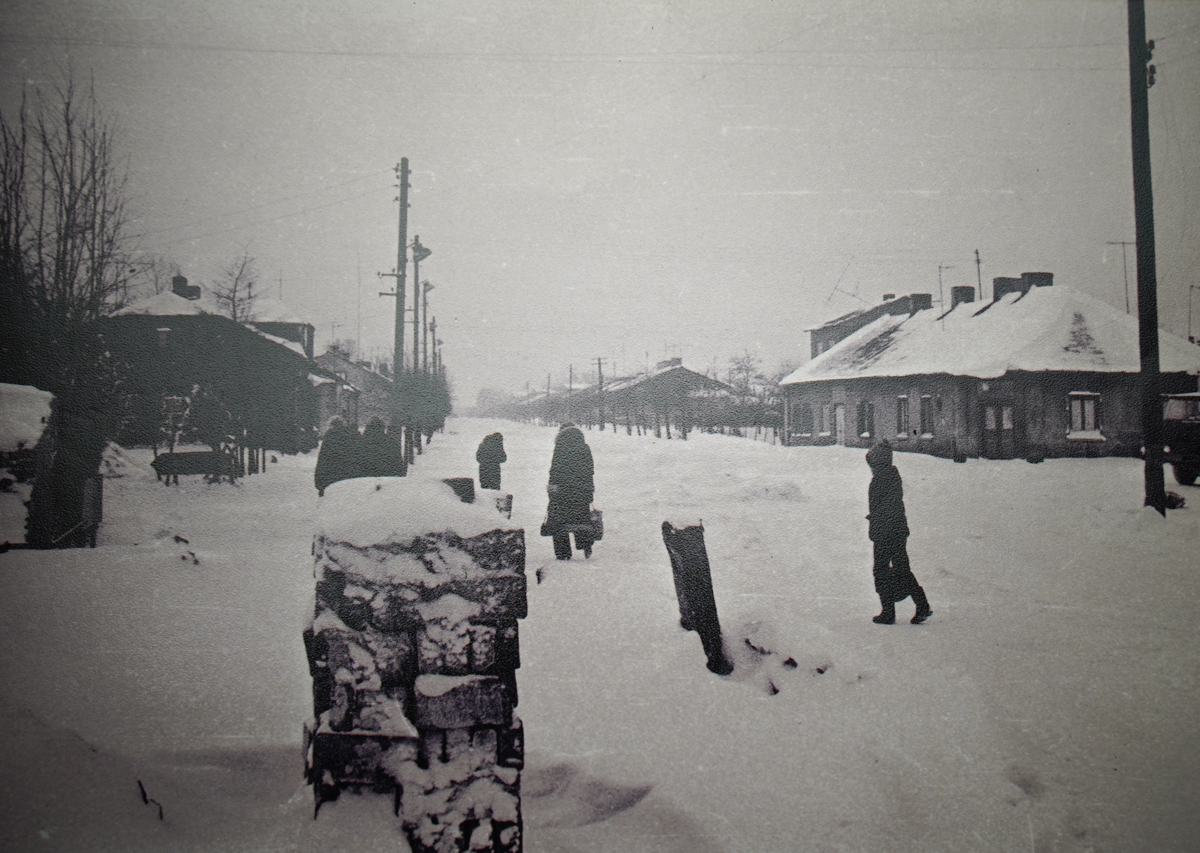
<point x="24" y="412"/>
<point x="370" y="511"/>
<point x="413" y="650"/>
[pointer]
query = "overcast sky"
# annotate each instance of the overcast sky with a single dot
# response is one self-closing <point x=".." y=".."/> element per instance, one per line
<point x="633" y="179"/>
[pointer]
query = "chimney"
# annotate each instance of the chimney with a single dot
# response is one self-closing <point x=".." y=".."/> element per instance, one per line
<point x="888" y="297"/>
<point x="1036" y="279"/>
<point x="1002" y="286"/>
<point x="180" y="287"/>
<point x="920" y="302"/>
<point x="961" y="293"/>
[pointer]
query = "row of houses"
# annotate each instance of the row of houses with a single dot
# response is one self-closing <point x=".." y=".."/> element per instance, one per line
<point x="668" y="400"/>
<point x="1039" y="371"/>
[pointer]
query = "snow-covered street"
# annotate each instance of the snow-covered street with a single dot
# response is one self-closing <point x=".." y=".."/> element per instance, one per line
<point x="1050" y="703"/>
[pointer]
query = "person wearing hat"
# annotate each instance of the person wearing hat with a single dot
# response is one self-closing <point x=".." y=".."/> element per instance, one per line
<point x="570" y="489"/>
<point x="888" y="530"/>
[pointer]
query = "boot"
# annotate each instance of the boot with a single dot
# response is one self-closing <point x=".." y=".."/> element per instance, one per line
<point x="888" y="614"/>
<point x="924" y="611"/>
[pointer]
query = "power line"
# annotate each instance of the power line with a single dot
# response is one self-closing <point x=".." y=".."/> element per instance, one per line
<point x="223" y="216"/>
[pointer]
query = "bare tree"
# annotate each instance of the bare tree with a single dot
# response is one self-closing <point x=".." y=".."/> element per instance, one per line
<point x="234" y="290"/>
<point x="154" y="274"/>
<point x="65" y="243"/>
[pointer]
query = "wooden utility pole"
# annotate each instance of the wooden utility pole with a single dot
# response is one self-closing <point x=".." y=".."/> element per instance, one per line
<point x="1141" y="78"/>
<point x="600" y="390"/>
<point x="401" y="269"/>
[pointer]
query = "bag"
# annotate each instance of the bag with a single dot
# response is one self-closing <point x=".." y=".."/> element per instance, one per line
<point x="595" y="526"/>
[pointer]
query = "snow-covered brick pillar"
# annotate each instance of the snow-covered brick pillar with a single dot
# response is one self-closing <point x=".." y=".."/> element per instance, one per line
<point x="413" y="651"/>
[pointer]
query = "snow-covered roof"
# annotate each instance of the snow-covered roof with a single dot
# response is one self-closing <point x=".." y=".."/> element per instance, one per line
<point x="267" y="310"/>
<point x="24" y="411"/>
<point x="283" y="342"/>
<point x="165" y="304"/>
<point x="1047" y="328"/>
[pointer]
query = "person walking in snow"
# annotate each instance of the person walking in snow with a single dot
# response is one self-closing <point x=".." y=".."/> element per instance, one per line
<point x="570" y="488"/>
<point x="894" y="580"/>
<point x="380" y="454"/>
<point x="339" y="457"/>
<point x="490" y="456"/>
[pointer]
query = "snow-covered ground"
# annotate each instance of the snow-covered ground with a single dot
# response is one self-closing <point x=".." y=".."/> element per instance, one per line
<point x="1050" y="704"/>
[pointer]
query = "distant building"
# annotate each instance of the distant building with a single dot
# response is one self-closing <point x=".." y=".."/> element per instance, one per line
<point x="374" y="394"/>
<point x="1040" y="371"/>
<point x="670" y="395"/>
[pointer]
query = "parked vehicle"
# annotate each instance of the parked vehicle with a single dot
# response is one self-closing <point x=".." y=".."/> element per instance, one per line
<point x="1181" y="435"/>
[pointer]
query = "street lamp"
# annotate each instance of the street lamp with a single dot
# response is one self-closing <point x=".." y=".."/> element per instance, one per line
<point x="425" y="288"/>
<point x="420" y="253"/>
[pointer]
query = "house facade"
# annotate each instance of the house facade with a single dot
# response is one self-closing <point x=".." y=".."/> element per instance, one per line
<point x="184" y="362"/>
<point x="374" y="395"/>
<point x="1037" y="372"/>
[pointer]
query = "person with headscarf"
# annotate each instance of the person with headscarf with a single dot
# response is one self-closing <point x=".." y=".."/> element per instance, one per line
<point x="339" y="457"/>
<point x="570" y="488"/>
<point x="490" y="456"/>
<point x="888" y="530"/>
<point x="380" y="453"/>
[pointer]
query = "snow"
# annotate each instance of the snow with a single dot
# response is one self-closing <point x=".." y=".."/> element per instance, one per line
<point x="24" y="412"/>
<point x="167" y="304"/>
<point x="294" y="346"/>
<point x="1049" y="328"/>
<point x="268" y="309"/>
<point x="367" y="511"/>
<point x="1048" y="704"/>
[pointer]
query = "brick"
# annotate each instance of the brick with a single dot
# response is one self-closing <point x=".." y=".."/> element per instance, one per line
<point x="357" y="759"/>
<point x="510" y="745"/>
<point x="458" y="702"/>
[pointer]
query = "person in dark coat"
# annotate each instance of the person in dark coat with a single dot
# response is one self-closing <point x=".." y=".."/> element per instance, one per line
<point x="570" y="489"/>
<point x="339" y="457"/>
<point x="380" y="455"/>
<point x="894" y="580"/>
<point x="490" y="456"/>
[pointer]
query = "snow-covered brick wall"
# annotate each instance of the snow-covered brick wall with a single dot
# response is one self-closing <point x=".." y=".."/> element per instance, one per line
<point x="413" y="651"/>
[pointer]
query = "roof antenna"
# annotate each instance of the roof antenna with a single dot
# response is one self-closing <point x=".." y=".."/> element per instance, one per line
<point x="837" y="286"/>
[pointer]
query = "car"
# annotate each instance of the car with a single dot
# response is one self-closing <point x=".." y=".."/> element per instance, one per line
<point x="1181" y="435"/>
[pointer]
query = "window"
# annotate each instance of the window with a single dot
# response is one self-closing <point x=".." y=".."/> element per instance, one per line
<point x="825" y="427"/>
<point x="902" y="416"/>
<point x="1085" y="415"/>
<point x="989" y="417"/>
<point x="926" y="415"/>
<point x="866" y="420"/>
<point x="804" y="419"/>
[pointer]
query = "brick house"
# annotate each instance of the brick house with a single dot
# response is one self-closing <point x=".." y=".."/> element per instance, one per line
<point x="1039" y="371"/>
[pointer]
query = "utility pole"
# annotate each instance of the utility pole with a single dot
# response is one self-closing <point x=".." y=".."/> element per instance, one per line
<point x="1141" y="78"/>
<point x="600" y="390"/>
<point x="401" y="269"/>
<point x="571" y="381"/>
<point x="433" y="332"/>
<point x="425" y="288"/>
<point x="979" y="274"/>
<point x="1124" y="264"/>
<point x="420" y="253"/>
<point x="1191" y="287"/>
